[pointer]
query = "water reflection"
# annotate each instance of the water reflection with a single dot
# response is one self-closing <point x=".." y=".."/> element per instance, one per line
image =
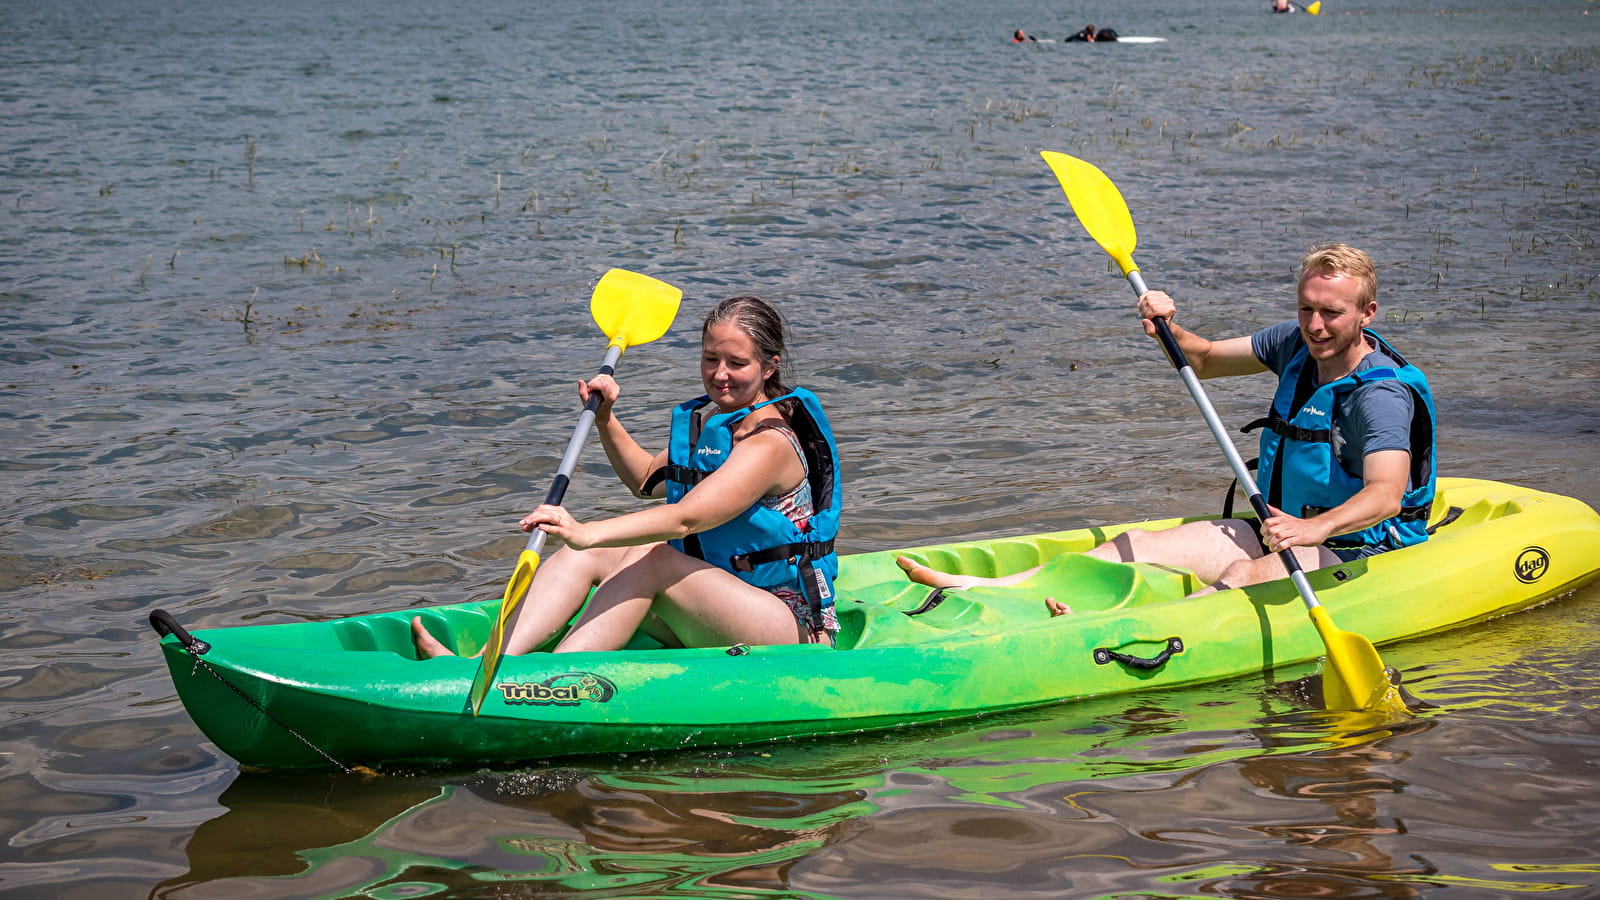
<point x="556" y="829"/>
<point x="1009" y="801"/>
<point x="1233" y="790"/>
<point x="1340" y="853"/>
<point x="273" y="824"/>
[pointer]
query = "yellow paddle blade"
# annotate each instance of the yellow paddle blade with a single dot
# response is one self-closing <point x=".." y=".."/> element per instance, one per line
<point x="1354" y="677"/>
<point x="516" y="588"/>
<point x="1315" y="7"/>
<point x="1098" y="205"/>
<point x="633" y="309"/>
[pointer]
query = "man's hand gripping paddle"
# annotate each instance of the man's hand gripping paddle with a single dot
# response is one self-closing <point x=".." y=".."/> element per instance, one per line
<point x="1354" y="677"/>
<point x="631" y="309"/>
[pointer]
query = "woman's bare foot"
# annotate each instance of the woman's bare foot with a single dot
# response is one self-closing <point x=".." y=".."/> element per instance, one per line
<point x="1056" y="607"/>
<point x="921" y="574"/>
<point x="427" y="645"/>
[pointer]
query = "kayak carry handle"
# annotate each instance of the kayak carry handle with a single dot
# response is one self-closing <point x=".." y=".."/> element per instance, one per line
<point x="1103" y="655"/>
<point x="164" y="624"/>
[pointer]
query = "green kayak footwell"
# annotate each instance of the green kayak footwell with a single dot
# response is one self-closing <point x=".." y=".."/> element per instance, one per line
<point x="350" y="691"/>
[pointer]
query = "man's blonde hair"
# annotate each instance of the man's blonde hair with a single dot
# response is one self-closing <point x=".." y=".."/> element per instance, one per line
<point x="1342" y="259"/>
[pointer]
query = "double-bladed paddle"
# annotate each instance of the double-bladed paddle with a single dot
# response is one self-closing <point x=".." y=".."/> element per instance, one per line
<point x="631" y="309"/>
<point x="1354" y="677"/>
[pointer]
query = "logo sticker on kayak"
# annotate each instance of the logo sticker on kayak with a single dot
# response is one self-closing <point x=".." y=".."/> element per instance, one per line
<point x="566" y="689"/>
<point x="1532" y="563"/>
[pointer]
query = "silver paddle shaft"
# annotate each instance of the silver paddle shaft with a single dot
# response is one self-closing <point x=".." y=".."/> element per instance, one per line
<point x="1220" y="433"/>
<point x="580" y="436"/>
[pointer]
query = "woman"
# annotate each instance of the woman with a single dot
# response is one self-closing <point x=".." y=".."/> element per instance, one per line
<point x="743" y="550"/>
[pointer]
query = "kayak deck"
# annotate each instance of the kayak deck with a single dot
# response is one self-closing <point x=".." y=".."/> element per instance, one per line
<point x="883" y="614"/>
<point x="879" y="607"/>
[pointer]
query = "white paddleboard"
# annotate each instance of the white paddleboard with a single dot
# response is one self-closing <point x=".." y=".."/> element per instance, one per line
<point x="1122" y="40"/>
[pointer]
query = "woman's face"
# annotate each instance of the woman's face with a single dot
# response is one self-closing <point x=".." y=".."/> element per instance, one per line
<point x="732" y="368"/>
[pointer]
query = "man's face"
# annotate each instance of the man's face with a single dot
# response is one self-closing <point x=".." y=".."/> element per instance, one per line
<point x="1332" y="316"/>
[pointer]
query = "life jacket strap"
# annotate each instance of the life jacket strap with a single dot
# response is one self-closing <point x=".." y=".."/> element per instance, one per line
<point x="691" y="546"/>
<point x="1233" y="487"/>
<point x="678" y="474"/>
<point x="1407" y="514"/>
<point x="813" y="583"/>
<point x="1282" y="427"/>
<point x="809" y="550"/>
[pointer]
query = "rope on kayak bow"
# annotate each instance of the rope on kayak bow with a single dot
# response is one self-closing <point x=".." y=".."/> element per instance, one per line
<point x="1103" y="655"/>
<point x="164" y="624"/>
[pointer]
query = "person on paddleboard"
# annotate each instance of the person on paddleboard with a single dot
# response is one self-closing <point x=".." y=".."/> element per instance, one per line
<point x="1347" y="455"/>
<point x="743" y="550"/>
<point x="1091" y="35"/>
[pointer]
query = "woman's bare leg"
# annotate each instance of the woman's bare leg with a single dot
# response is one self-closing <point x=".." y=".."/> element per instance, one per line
<point x="559" y="587"/>
<point x="702" y="605"/>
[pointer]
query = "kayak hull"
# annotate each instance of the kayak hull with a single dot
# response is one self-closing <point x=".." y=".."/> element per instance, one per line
<point x="350" y="691"/>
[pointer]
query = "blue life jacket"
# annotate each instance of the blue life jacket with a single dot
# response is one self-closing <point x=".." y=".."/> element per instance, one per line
<point x="761" y="546"/>
<point x="1303" y="474"/>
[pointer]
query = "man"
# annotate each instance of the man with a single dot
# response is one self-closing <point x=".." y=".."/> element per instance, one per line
<point x="1347" y="460"/>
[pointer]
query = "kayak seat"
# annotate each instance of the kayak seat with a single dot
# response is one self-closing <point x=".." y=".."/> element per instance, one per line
<point x="1474" y="514"/>
<point x="880" y="620"/>
<point x="1088" y="583"/>
<point x="899" y="612"/>
<point x="1084" y="583"/>
<point x="461" y="628"/>
<point x="995" y="557"/>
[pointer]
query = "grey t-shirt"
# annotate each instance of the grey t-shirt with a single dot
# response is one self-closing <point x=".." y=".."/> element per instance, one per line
<point x="1372" y="417"/>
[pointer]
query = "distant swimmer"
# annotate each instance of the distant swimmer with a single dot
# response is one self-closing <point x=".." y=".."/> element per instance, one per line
<point x="1090" y="35"/>
<point x="1019" y="36"/>
<point x="1282" y="6"/>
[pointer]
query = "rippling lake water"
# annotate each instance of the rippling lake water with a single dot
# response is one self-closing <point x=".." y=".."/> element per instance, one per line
<point x="292" y="298"/>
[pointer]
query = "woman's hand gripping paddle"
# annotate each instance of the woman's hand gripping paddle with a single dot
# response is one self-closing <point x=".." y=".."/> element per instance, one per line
<point x="631" y="309"/>
<point x="1354" y="677"/>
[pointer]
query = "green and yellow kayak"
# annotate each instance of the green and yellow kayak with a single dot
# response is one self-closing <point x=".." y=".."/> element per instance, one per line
<point x="351" y="692"/>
